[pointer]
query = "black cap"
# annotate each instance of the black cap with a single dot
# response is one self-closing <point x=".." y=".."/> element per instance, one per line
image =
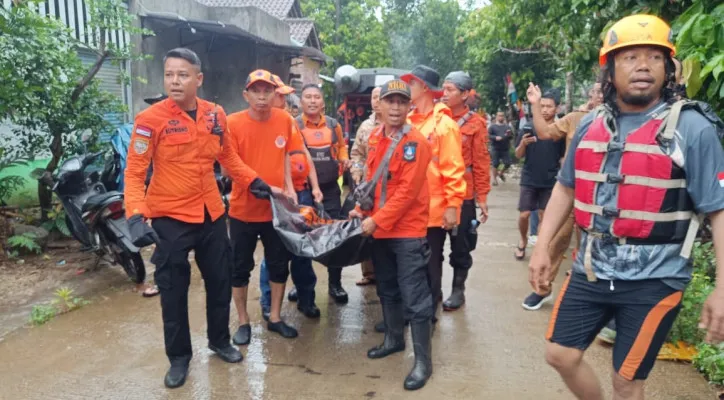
<point x="427" y="75"/>
<point x="395" y="86"/>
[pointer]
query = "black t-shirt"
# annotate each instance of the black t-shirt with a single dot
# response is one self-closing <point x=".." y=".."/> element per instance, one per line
<point x="192" y="114"/>
<point x="500" y="130"/>
<point x="542" y="162"/>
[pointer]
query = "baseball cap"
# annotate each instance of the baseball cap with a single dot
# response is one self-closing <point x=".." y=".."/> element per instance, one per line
<point x="395" y="86"/>
<point x="260" y="75"/>
<point x="282" y="88"/>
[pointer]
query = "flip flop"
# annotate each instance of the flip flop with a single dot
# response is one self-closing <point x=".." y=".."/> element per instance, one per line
<point x="151" y="291"/>
<point x="522" y="250"/>
<point x="365" y="282"/>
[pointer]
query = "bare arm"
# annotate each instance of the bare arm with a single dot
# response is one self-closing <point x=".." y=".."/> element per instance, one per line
<point x="712" y="314"/>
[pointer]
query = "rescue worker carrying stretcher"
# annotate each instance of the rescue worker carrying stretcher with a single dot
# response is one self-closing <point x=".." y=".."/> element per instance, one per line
<point x="639" y="172"/>
<point x="263" y="136"/>
<point x="304" y="180"/>
<point x="325" y="141"/>
<point x="447" y="169"/>
<point x="397" y="165"/>
<point x="183" y="136"/>
<point x="457" y="87"/>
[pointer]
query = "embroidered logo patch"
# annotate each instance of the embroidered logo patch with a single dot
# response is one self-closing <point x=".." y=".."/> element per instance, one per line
<point x="318" y="135"/>
<point x="174" y="122"/>
<point x="280" y="142"/>
<point x="140" y="146"/>
<point x="143" y="131"/>
<point x="409" y="151"/>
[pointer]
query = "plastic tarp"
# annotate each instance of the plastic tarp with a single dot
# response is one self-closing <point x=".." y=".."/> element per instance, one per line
<point x="309" y="232"/>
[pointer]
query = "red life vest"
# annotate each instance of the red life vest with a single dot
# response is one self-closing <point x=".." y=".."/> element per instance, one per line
<point x="322" y="145"/>
<point x="652" y="203"/>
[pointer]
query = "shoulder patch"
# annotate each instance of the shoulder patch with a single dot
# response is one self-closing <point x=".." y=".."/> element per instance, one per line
<point x="409" y="151"/>
<point x="140" y="146"/>
<point x="143" y="131"/>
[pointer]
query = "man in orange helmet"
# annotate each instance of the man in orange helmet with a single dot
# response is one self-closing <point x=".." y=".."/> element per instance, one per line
<point x="183" y="136"/>
<point x="639" y="172"/>
<point x="446" y="174"/>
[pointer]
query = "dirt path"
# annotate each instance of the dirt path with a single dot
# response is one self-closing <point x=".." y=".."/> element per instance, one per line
<point x="492" y="349"/>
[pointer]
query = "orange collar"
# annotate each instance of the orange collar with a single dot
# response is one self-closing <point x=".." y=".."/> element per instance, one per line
<point x="307" y="122"/>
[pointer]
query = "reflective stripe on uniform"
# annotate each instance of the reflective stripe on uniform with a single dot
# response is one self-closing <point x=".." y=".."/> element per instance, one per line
<point x="639" y="215"/>
<point x="598" y="147"/>
<point x="634" y="180"/>
<point x="643" y="148"/>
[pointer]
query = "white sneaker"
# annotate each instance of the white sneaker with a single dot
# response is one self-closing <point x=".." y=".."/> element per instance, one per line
<point x="532" y="240"/>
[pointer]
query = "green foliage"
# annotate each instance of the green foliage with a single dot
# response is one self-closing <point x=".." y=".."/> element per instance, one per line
<point x="42" y="313"/>
<point x="9" y="184"/>
<point x="426" y="34"/>
<point x="56" y="221"/>
<point x="710" y="362"/>
<point x="25" y="242"/>
<point x="63" y="302"/>
<point x="700" y="44"/>
<point x="686" y="326"/>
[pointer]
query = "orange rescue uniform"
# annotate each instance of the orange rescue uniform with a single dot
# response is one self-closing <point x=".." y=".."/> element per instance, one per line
<point x="183" y="153"/>
<point x="263" y="145"/>
<point x="318" y="138"/>
<point x="405" y="213"/>
<point x="445" y="175"/>
<point x="474" y="133"/>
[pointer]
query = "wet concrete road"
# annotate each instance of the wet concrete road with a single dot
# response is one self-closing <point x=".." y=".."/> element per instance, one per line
<point x="491" y="349"/>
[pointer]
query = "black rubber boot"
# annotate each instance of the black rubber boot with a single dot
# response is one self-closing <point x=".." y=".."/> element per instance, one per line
<point x="422" y="370"/>
<point x="457" y="297"/>
<point x="394" y="332"/>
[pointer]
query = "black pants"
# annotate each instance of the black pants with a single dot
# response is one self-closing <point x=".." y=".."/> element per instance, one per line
<point x="401" y="274"/>
<point x="333" y="206"/>
<point x="244" y="236"/>
<point x="210" y="243"/>
<point x="464" y="242"/>
<point x="460" y="245"/>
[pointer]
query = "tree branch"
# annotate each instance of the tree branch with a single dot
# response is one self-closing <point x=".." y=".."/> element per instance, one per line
<point x="89" y="76"/>
<point x="501" y="48"/>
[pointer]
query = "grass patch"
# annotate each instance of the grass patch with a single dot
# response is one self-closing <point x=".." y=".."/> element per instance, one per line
<point x="63" y="302"/>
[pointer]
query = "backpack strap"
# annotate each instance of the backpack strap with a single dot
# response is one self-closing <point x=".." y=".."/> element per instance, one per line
<point x="465" y="118"/>
<point x="331" y="122"/>
<point x="672" y="120"/>
<point x="300" y="123"/>
<point x="386" y="161"/>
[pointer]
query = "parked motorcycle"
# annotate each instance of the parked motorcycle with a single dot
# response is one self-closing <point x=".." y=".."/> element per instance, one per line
<point x="95" y="216"/>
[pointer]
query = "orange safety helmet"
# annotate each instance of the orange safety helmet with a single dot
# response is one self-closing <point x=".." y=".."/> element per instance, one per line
<point x="637" y="30"/>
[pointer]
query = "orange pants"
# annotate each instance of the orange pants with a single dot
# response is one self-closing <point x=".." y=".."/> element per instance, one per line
<point x="558" y="248"/>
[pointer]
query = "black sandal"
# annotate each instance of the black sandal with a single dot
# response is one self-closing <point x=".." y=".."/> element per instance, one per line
<point x="522" y="250"/>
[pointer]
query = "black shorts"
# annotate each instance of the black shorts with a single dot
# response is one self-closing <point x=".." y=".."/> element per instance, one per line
<point x="532" y="199"/>
<point x="244" y="236"/>
<point x="644" y="312"/>
<point x="500" y="155"/>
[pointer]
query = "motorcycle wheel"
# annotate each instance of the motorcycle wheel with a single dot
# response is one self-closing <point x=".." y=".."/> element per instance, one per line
<point x="134" y="266"/>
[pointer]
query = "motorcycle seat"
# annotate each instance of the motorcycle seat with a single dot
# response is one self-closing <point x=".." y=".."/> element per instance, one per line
<point x="97" y="200"/>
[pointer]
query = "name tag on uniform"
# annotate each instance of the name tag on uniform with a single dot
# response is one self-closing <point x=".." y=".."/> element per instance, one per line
<point x="409" y="151"/>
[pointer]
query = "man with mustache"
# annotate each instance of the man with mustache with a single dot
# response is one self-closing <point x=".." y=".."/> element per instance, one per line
<point x="639" y="172"/>
<point x="325" y="141"/>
